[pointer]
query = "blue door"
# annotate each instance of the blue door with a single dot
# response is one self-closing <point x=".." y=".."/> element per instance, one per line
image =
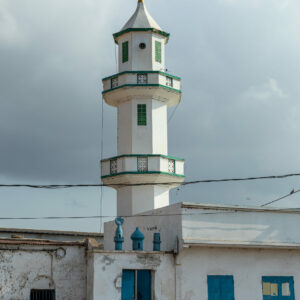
<point x="220" y="287"/>
<point x="278" y="288"/>
<point x="144" y="285"/>
<point x="128" y="287"/>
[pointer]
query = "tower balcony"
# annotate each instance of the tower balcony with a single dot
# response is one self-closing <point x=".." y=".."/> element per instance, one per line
<point x="141" y="169"/>
<point x="142" y="84"/>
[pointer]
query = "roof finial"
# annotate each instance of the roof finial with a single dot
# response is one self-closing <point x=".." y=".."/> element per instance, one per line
<point x="141" y="1"/>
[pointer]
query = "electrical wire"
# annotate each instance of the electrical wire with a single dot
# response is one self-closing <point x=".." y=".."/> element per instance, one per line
<point x="65" y="186"/>
<point x="232" y="211"/>
<point x="283" y="197"/>
<point x="101" y="157"/>
<point x="173" y="113"/>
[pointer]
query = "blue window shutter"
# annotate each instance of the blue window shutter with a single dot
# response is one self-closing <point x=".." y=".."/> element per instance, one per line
<point x="214" y="288"/>
<point x="220" y="287"/>
<point x="144" y="285"/>
<point x="280" y="280"/>
<point x="227" y="288"/>
<point x="128" y="278"/>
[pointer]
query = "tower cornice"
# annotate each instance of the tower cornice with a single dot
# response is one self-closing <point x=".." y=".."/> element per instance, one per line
<point x="152" y="30"/>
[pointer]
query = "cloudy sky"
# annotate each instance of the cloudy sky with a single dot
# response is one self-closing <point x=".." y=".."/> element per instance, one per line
<point x="240" y="112"/>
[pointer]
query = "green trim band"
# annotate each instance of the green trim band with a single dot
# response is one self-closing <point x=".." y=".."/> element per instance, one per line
<point x="148" y="172"/>
<point x="144" y="155"/>
<point x="141" y="72"/>
<point x="142" y="85"/>
<point x="163" y="33"/>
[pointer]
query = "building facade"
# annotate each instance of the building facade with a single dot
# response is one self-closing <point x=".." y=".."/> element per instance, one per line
<point x="154" y="250"/>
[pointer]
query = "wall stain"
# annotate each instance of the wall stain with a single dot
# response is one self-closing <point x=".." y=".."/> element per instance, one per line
<point x="107" y="260"/>
<point x="149" y="260"/>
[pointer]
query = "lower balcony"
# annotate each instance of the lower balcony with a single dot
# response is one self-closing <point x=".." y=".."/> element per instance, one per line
<point x="140" y="169"/>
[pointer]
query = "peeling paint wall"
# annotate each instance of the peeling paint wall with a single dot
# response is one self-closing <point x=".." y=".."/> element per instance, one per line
<point x="108" y="266"/>
<point x="43" y="267"/>
<point x="246" y="265"/>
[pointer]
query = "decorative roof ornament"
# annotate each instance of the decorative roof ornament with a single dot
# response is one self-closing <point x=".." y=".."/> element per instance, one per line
<point x="119" y="238"/>
<point x="141" y="20"/>
<point x="137" y="240"/>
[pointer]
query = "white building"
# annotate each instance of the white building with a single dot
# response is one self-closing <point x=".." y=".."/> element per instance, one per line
<point x="182" y="251"/>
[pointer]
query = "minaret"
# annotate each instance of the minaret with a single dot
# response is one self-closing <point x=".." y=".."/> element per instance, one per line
<point x="142" y="91"/>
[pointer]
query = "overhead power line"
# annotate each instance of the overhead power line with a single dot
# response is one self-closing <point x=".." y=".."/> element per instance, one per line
<point x="232" y="210"/>
<point x="64" y="186"/>
<point x="281" y="198"/>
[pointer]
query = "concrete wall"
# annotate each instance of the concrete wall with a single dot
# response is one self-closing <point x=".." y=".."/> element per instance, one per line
<point x="168" y="226"/>
<point x="141" y="59"/>
<point x="107" y="273"/>
<point x="246" y="265"/>
<point x="240" y="225"/>
<point x="26" y="267"/>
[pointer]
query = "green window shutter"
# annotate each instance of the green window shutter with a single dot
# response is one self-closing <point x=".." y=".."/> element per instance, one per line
<point x="141" y="115"/>
<point x="158" y="51"/>
<point x="124" y="52"/>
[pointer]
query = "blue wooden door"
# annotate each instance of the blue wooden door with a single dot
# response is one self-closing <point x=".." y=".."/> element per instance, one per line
<point x="128" y="288"/>
<point x="144" y="285"/>
<point x="220" y="287"/>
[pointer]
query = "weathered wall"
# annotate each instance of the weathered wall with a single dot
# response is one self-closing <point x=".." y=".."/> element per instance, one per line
<point x="108" y="273"/>
<point x="27" y="267"/>
<point x="204" y="224"/>
<point x="246" y="265"/>
<point x="168" y="226"/>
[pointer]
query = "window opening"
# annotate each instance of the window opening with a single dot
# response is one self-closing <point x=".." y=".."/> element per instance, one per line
<point x="278" y="287"/>
<point x="142" y="164"/>
<point x="171" y="166"/>
<point x="169" y="81"/>
<point x="42" y="295"/>
<point x="113" y="166"/>
<point x="125" y="52"/>
<point x="142" y="78"/>
<point x="114" y="82"/>
<point x="141" y="115"/>
<point x="158" y="51"/>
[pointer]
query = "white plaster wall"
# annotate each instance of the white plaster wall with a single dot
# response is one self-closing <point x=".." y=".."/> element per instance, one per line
<point x="149" y="139"/>
<point x="38" y="267"/>
<point x="141" y="59"/>
<point x="168" y="226"/>
<point x="179" y="166"/>
<point x="132" y="200"/>
<point x="130" y="164"/>
<point x="246" y="265"/>
<point x="108" y="268"/>
<point x="141" y="135"/>
<point x="153" y="163"/>
<point x="125" y="128"/>
<point x="159" y="128"/>
<point x="236" y="226"/>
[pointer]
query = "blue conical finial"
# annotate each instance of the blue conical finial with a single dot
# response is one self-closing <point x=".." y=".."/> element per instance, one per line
<point x="156" y="241"/>
<point x="137" y="240"/>
<point x="119" y="239"/>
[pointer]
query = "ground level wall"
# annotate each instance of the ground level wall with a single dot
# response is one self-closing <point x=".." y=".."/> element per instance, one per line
<point x="27" y="267"/>
<point x="106" y="273"/>
<point x="246" y="265"/>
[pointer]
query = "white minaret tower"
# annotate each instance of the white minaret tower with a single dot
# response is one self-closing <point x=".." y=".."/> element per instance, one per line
<point x="142" y="173"/>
